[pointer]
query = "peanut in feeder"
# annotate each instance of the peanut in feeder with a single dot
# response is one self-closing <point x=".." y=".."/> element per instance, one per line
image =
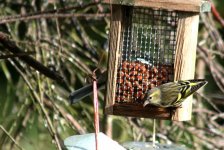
<point x="152" y="42"/>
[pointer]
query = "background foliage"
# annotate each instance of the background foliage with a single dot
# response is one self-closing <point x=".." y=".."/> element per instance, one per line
<point x="70" y="38"/>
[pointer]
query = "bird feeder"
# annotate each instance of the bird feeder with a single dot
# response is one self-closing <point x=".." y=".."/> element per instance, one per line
<point x="152" y="42"/>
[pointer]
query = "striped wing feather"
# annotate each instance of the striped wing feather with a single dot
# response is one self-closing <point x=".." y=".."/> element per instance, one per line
<point x="172" y="93"/>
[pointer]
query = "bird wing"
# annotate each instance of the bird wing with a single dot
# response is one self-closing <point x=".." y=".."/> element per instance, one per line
<point x="173" y="93"/>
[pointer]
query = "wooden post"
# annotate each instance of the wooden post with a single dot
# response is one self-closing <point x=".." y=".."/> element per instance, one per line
<point x="184" y="66"/>
<point x="114" y="54"/>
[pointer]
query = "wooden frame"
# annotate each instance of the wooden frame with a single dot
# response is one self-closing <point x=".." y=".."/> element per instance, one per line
<point x="181" y="5"/>
<point x="184" y="66"/>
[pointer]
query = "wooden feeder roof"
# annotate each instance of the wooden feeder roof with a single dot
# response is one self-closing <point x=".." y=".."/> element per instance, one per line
<point x="180" y="5"/>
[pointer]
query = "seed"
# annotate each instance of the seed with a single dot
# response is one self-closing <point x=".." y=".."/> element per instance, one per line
<point x="125" y="65"/>
<point x="154" y="70"/>
<point x="127" y="76"/>
<point x="159" y="76"/>
<point x="132" y="78"/>
<point x="136" y="84"/>
<point x="128" y="84"/>
<point x="134" y="72"/>
<point x="131" y="66"/>
<point x="137" y="66"/>
<point x="159" y="82"/>
<point x="164" y="71"/>
<point x="142" y="68"/>
<point x="152" y="86"/>
<point x="124" y="88"/>
<point x="145" y="75"/>
<point x="120" y="74"/>
<point x="142" y="97"/>
<point x="120" y="81"/>
<point x="139" y="77"/>
<point x="164" y="78"/>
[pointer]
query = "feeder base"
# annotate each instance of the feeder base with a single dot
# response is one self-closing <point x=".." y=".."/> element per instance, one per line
<point x="87" y="142"/>
<point x="148" y="146"/>
<point x="137" y="110"/>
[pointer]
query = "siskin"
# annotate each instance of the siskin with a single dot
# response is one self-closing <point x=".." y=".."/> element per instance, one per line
<point x="172" y="94"/>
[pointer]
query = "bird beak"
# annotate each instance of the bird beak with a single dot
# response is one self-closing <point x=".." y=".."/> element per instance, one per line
<point x="146" y="103"/>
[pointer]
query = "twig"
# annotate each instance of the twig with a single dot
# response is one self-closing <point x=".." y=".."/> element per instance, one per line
<point x="201" y="136"/>
<point x="59" y="38"/>
<point x="202" y="111"/>
<point x="213" y="32"/>
<point x="11" y="46"/>
<point x="74" y="123"/>
<point x="217" y="15"/>
<point x="209" y="101"/>
<point x="49" y="11"/>
<point x="82" y="33"/>
<point x="66" y="115"/>
<point x="51" y="128"/>
<point x="59" y="15"/>
<point x="216" y="73"/>
<point x="14" y="141"/>
<point x="16" y="55"/>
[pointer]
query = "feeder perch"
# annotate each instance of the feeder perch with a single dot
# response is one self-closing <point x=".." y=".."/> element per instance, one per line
<point x="152" y="42"/>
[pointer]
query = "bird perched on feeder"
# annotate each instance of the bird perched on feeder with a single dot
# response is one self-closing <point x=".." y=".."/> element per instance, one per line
<point x="172" y="94"/>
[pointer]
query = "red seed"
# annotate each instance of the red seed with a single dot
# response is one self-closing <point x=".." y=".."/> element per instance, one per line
<point x="159" y="82"/>
<point x="137" y="66"/>
<point x="145" y="75"/>
<point x="145" y="87"/>
<point x="165" y="78"/>
<point x="132" y="65"/>
<point x="138" y="94"/>
<point x="164" y="71"/>
<point x="154" y="70"/>
<point x="139" y="77"/>
<point x="131" y="90"/>
<point x="159" y="76"/>
<point x="125" y="70"/>
<point x="142" y="68"/>
<point x="128" y="84"/>
<point x="152" y="86"/>
<point x="125" y="65"/>
<point x="127" y="76"/>
<point x="136" y="84"/>
<point x="120" y="74"/>
<point x="124" y="88"/>
<point x="120" y="81"/>
<point x="134" y="72"/>
<point x="132" y="78"/>
<point x="142" y="97"/>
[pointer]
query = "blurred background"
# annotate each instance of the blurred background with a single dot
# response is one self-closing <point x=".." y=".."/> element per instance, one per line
<point x="69" y="39"/>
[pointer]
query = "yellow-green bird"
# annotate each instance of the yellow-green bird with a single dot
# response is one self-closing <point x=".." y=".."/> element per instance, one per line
<point x="172" y="94"/>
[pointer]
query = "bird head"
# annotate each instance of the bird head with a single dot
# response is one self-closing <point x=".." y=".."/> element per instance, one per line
<point x="153" y="97"/>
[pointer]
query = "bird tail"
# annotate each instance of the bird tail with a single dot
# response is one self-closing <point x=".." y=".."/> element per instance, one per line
<point x="195" y="84"/>
<point x="81" y="93"/>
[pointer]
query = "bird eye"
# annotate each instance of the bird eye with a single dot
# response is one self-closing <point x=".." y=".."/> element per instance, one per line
<point x="150" y="97"/>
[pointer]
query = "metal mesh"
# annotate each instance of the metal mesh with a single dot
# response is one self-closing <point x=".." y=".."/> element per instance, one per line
<point x="148" y="49"/>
